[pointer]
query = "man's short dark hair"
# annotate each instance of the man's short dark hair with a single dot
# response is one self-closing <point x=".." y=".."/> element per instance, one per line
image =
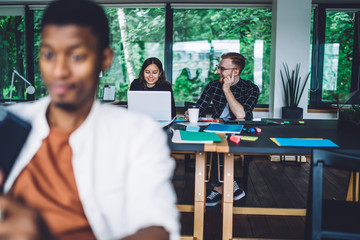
<point x="79" y="12"/>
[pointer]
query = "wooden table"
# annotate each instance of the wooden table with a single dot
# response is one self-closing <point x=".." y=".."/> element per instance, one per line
<point x="263" y="146"/>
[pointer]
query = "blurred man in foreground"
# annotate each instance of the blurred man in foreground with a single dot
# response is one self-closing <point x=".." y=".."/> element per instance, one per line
<point x="80" y="173"/>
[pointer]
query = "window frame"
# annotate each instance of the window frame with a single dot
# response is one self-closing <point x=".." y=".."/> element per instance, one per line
<point x="317" y="60"/>
<point x="168" y="54"/>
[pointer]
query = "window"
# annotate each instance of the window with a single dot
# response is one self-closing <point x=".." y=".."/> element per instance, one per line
<point x="41" y="90"/>
<point x="12" y="51"/>
<point x="338" y="54"/>
<point x="136" y="34"/>
<point x="201" y="36"/>
<point x="334" y="55"/>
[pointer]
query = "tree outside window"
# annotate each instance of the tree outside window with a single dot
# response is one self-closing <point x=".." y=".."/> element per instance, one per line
<point x="201" y="36"/>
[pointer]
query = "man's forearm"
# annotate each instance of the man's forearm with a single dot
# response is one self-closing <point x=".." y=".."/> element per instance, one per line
<point x="235" y="107"/>
<point x="150" y="233"/>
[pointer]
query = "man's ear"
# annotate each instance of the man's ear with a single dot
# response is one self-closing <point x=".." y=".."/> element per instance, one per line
<point x="107" y="59"/>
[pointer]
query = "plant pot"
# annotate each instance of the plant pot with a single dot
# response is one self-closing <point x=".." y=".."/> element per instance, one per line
<point x="292" y="113"/>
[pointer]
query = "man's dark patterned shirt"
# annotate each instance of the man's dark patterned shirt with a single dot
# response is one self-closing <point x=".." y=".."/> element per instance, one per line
<point x="245" y="92"/>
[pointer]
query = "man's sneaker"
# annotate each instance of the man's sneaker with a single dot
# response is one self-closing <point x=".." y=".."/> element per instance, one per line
<point x="238" y="192"/>
<point x="213" y="199"/>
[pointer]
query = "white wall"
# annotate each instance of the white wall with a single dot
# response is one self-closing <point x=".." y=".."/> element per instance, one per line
<point x="291" y="45"/>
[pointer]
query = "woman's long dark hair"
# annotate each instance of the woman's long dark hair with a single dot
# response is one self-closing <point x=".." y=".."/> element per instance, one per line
<point x="157" y="62"/>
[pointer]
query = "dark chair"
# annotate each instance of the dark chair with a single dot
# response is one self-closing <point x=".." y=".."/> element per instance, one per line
<point x="333" y="219"/>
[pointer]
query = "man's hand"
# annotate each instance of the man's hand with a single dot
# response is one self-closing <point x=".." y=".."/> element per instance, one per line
<point x="150" y="233"/>
<point x="228" y="82"/>
<point x="20" y="222"/>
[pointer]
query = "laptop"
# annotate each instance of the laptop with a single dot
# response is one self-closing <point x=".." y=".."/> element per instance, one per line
<point x="13" y="133"/>
<point x="156" y="104"/>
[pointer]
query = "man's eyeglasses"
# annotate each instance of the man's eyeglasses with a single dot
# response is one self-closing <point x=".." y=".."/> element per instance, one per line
<point x="221" y="69"/>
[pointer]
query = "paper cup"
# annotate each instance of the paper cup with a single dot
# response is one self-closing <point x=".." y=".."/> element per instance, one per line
<point x="193" y="115"/>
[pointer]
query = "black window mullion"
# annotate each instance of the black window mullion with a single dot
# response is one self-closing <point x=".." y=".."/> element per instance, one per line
<point x="355" y="76"/>
<point x="29" y="48"/>
<point x="168" y="41"/>
<point x="317" y="66"/>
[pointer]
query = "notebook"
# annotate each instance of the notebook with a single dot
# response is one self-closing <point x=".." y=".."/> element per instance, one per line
<point x="181" y="136"/>
<point x="156" y="104"/>
<point x="224" y="128"/>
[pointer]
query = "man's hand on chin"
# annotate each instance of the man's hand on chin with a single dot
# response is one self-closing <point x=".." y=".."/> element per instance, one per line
<point x="20" y="222"/>
<point x="228" y="81"/>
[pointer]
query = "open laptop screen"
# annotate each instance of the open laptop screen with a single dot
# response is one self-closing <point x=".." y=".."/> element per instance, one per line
<point x="156" y="104"/>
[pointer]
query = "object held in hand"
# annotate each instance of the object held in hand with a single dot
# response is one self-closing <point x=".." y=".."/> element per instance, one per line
<point x="2" y="215"/>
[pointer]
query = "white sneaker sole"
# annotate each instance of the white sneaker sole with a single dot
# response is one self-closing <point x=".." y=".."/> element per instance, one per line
<point x="240" y="196"/>
<point x="213" y="204"/>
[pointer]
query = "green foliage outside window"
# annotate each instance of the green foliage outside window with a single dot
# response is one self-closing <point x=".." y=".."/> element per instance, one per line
<point x="140" y="34"/>
<point x="136" y="34"/>
<point x="213" y="26"/>
<point x="39" y="86"/>
<point x="12" y="52"/>
<point x="339" y="42"/>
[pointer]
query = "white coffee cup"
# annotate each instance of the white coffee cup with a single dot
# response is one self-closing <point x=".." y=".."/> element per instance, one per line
<point x="193" y="115"/>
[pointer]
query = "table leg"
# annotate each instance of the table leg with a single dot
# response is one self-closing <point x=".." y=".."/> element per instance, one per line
<point x="353" y="188"/>
<point x="199" y="198"/>
<point x="228" y="196"/>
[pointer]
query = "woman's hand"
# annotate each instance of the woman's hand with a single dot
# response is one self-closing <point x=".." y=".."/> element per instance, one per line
<point x="186" y="116"/>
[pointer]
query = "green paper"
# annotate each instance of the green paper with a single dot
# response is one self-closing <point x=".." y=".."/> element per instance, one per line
<point x="199" y="136"/>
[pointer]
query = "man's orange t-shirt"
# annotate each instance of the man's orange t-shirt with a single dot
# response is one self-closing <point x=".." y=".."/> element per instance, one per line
<point x="48" y="184"/>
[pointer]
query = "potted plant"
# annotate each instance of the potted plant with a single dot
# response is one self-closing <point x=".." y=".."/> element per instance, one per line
<point x="293" y="90"/>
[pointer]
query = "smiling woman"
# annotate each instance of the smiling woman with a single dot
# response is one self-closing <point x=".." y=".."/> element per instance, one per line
<point x="152" y="78"/>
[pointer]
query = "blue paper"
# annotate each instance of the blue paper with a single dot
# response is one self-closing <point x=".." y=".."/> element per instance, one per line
<point x="224" y="128"/>
<point x="305" y="142"/>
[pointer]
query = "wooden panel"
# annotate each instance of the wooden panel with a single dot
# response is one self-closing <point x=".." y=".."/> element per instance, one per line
<point x="211" y="147"/>
<point x="322" y="111"/>
<point x="351" y="195"/>
<point x="187" y="238"/>
<point x="261" y="110"/>
<point x="199" y="220"/>
<point x="200" y="172"/>
<point x="227" y="221"/>
<point x="228" y="178"/>
<point x="222" y="147"/>
<point x="185" y="208"/>
<point x="199" y="195"/>
<point x="357" y="187"/>
<point x="228" y="195"/>
<point x="270" y="211"/>
<point x="350" y="192"/>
